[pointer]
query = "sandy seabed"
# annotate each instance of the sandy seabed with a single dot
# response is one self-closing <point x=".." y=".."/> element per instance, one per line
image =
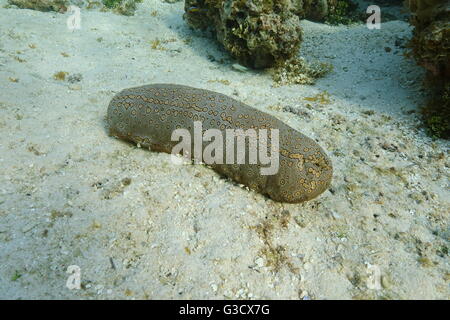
<point x="140" y="227"/>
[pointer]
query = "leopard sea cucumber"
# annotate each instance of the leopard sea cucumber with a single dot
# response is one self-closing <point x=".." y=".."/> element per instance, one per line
<point x="148" y="115"/>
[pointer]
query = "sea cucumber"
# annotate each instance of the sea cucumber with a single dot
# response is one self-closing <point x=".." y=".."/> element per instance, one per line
<point x="148" y="115"/>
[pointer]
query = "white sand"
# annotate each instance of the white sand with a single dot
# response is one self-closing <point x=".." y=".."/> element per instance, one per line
<point x="184" y="232"/>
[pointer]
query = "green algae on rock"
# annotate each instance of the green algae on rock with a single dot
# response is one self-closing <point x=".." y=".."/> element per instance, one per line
<point x="148" y="115"/>
<point x="41" y="5"/>
<point x="298" y="71"/>
<point x="123" y="7"/>
<point x="343" y="12"/>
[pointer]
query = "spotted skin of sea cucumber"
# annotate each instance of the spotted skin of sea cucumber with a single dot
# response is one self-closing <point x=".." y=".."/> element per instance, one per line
<point x="148" y="115"/>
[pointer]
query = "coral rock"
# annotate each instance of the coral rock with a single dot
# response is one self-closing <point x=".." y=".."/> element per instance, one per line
<point x="431" y="49"/>
<point x="256" y="32"/>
